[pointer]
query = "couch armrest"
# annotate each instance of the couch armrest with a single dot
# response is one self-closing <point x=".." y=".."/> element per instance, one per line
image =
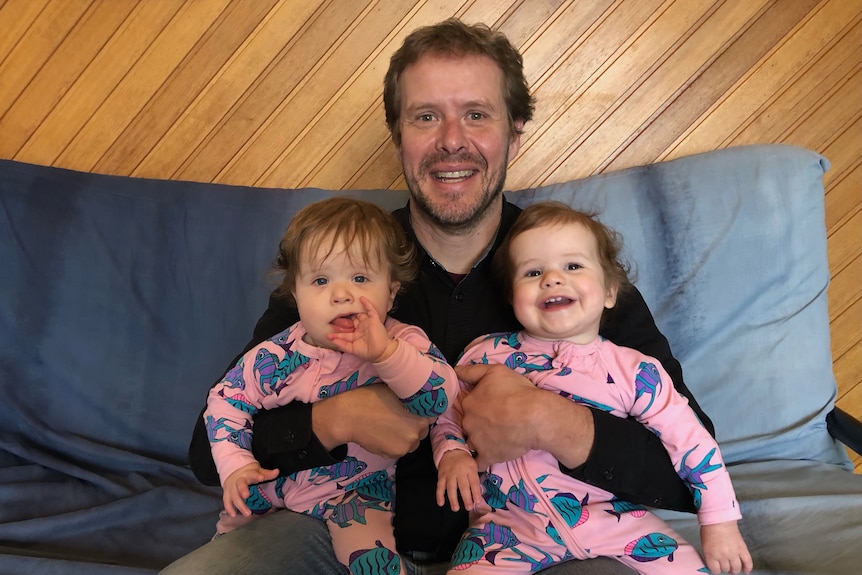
<point x="845" y="428"/>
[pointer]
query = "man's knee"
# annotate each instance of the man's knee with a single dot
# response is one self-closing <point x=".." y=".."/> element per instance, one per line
<point x="263" y="546"/>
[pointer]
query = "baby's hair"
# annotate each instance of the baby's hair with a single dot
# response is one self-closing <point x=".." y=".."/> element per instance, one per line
<point x="550" y="213"/>
<point x="366" y="228"/>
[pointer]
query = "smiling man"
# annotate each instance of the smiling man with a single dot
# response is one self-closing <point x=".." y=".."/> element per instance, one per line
<point x="456" y="102"/>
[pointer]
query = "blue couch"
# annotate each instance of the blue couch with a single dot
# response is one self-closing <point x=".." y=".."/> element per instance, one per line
<point x="122" y="300"/>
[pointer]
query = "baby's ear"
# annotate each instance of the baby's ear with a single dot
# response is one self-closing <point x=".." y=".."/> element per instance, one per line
<point x="393" y="291"/>
<point x="611" y="295"/>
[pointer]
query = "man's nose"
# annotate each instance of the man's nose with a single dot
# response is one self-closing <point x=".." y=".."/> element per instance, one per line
<point x="452" y="137"/>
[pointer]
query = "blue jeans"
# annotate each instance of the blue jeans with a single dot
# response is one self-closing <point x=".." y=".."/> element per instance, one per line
<point x="285" y="542"/>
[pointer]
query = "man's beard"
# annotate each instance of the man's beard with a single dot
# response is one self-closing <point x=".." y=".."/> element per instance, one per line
<point x="464" y="220"/>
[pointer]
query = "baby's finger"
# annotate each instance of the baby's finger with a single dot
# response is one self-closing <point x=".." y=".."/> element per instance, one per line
<point x="228" y="504"/>
<point x="368" y="305"/>
<point x="452" y="495"/>
<point x="466" y="492"/>
<point x="441" y="493"/>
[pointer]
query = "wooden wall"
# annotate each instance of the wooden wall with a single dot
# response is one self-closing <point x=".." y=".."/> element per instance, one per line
<point x="286" y="93"/>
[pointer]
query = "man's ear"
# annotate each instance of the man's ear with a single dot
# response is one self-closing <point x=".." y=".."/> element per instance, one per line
<point x="515" y="140"/>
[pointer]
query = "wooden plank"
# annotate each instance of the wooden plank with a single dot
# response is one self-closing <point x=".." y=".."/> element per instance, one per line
<point x="842" y="151"/>
<point x="843" y="199"/>
<point x="98" y="81"/>
<point x="548" y="53"/>
<point x="16" y="17"/>
<point x="189" y="78"/>
<point x="275" y="89"/>
<point x="844" y="292"/>
<point x="492" y="12"/>
<point x="219" y="98"/>
<point x="848" y="324"/>
<point x="848" y="373"/>
<point x="719" y="124"/>
<point x="32" y="51"/>
<point x="62" y="69"/>
<point x="832" y="110"/>
<point x="845" y="243"/>
<point x="803" y="90"/>
<point x="320" y="118"/>
<point x="698" y="72"/>
<point x="564" y="114"/>
<point x="380" y="170"/>
<point x="138" y="86"/>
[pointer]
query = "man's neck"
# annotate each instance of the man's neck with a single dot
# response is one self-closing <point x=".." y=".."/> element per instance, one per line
<point x="457" y="252"/>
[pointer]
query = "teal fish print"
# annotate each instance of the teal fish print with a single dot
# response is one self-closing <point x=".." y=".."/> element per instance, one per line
<point x="647" y="382"/>
<point x="652" y="547"/>
<point x="572" y="510"/>
<point x="620" y="507"/>
<point x="376" y="561"/>
<point x="493" y="495"/>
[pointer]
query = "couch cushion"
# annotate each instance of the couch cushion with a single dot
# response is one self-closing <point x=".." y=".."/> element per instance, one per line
<point x="729" y="249"/>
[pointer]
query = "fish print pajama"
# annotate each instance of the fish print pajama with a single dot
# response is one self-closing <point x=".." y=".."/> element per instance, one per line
<point x="355" y="496"/>
<point x="534" y="515"/>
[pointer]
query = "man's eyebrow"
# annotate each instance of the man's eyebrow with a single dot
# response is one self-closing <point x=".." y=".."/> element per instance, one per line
<point x="422" y="105"/>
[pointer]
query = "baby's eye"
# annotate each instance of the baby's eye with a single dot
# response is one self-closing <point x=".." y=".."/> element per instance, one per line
<point x="573" y="266"/>
<point x="360" y="279"/>
<point x="319" y="281"/>
<point x="533" y="273"/>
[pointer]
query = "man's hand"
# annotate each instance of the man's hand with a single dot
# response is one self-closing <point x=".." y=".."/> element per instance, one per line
<point x="372" y="417"/>
<point x="505" y="415"/>
<point x="236" y="487"/>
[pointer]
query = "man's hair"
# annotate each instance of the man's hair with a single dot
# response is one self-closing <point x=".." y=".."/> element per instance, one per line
<point x="608" y="242"/>
<point x="455" y="38"/>
<point x="369" y="232"/>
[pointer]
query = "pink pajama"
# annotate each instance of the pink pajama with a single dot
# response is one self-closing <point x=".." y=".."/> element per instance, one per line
<point x="535" y="515"/>
<point x="353" y="496"/>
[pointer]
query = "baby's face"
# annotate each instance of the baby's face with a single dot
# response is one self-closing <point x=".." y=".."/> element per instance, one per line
<point x="559" y="290"/>
<point x="330" y="283"/>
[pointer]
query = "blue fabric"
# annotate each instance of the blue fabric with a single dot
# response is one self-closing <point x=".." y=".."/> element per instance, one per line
<point x="123" y="299"/>
<point x="729" y="250"/>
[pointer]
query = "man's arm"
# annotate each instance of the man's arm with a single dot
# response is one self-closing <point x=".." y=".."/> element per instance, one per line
<point x="509" y="416"/>
<point x="283" y="437"/>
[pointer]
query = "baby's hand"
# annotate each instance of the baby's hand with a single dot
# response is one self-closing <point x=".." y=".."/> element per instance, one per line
<point x="724" y="549"/>
<point x="367" y="339"/>
<point x="458" y="473"/>
<point x="236" y="487"/>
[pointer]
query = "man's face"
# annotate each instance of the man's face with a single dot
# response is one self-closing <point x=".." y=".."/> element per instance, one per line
<point x="456" y="139"/>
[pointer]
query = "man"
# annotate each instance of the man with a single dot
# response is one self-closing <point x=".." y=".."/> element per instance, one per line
<point x="456" y="102"/>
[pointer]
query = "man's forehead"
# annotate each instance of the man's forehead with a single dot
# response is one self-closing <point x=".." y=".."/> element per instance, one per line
<point x="442" y="70"/>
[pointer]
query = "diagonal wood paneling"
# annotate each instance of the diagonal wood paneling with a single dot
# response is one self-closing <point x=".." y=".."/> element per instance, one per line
<point x="287" y="93"/>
